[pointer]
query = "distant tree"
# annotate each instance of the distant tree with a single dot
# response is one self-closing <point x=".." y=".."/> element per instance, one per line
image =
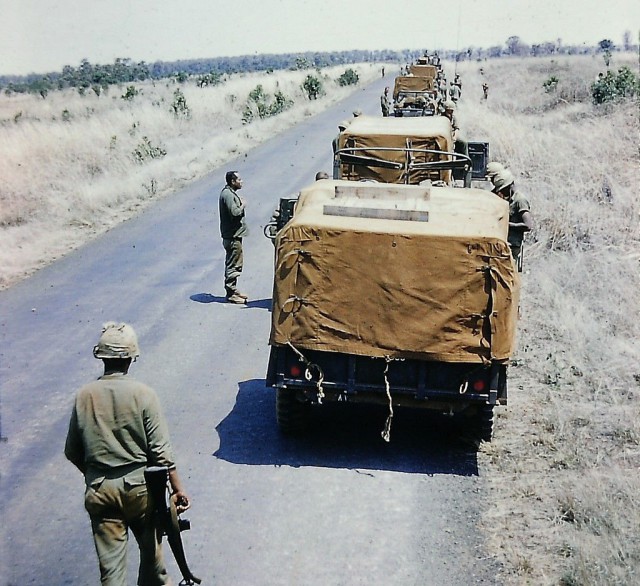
<point x="626" y="41"/>
<point x="606" y="46"/>
<point x="516" y="47"/>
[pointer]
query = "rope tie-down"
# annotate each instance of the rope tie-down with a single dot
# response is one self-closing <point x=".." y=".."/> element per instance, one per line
<point x="386" y="432"/>
<point x="308" y="373"/>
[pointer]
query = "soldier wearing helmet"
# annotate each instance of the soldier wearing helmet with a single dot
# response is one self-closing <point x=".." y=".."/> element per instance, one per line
<point x="460" y="144"/>
<point x="520" y="218"/>
<point x="493" y="168"/>
<point x="117" y="429"/>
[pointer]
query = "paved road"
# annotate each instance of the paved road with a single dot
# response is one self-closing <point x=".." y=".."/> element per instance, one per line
<point x="339" y="507"/>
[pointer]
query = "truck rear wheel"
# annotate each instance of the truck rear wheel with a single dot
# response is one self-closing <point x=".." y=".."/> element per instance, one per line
<point x="291" y="414"/>
<point x="484" y="423"/>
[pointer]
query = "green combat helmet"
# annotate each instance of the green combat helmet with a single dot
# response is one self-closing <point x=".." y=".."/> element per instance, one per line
<point x="449" y="105"/>
<point x="503" y="179"/>
<point x="493" y="168"/>
<point x="118" y="340"/>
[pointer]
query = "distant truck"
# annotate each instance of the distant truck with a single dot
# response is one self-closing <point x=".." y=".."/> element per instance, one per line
<point x="422" y="69"/>
<point x="415" y="96"/>
<point x="393" y="294"/>
<point x="402" y="150"/>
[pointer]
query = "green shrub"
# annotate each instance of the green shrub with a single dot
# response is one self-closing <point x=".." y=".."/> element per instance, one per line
<point x="179" y="105"/>
<point x="614" y="86"/>
<point x="260" y="103"/>
<point x="551" y="84"/>
<point x="145" y="151"/>
<point x="312" y="86"/>
<point x="213" y="78"/>
<point x="131" y="93"/>
<point x="349" y="77"/>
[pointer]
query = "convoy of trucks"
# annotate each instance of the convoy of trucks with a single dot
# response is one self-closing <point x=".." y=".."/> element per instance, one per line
<point x="392" y="284"/>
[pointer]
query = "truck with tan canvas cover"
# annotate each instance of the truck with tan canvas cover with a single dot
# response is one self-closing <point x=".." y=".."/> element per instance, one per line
<point x="422" y="69"/>
<point x="393" y="294"/>
<point x="398" y="150"/>
<point x="415" y="96"/>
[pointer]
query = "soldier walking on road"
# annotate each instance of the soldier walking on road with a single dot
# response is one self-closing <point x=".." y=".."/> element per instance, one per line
<point x="117" y="429"/>
<point x="233" y="227"/>
<point x="385" y="102"/>
<point x="485" y="90"/>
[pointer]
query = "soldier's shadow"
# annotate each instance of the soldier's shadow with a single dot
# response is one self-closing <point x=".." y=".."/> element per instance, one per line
<point x="251" y="303"/>
<point x="343" y="436"/>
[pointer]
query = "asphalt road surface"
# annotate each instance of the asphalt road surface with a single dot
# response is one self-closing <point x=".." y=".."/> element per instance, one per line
<point x="337" y="507"/>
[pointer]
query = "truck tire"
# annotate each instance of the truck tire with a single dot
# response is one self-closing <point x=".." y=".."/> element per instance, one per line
<point x="484" y="423"/>
<point x="291" y="414"/>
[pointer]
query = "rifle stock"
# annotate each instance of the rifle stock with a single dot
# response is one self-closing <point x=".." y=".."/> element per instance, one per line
<point x="166" y="519"/>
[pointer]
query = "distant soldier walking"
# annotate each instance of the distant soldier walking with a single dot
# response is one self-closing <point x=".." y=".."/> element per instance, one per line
<point x="117" y="429"/>
<point x="454" y="92"/>
<point x="385" y="102"/>
<point x="233" y="227"/>
<point x="485" y="90"/>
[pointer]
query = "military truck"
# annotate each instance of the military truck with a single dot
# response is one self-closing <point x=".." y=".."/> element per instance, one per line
<point x="411" y="150"/>
<point x="422" y="69"/>
<point x="415" y="96"/>
<point x="393" y="294"/>
<point x="398" y="150"/>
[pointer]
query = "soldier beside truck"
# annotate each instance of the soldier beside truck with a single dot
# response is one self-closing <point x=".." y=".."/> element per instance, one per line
<point x="392" y="286"/>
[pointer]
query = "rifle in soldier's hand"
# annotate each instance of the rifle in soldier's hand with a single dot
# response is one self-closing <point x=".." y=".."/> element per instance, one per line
<point x="167" y="520"/>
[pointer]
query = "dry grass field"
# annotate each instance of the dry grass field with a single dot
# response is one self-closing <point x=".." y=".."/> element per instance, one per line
<point x="72" y="166"/>
<point x="564" y="468"/>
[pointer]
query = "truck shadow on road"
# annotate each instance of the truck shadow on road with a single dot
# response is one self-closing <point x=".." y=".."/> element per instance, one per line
<point x="343" y="436"/>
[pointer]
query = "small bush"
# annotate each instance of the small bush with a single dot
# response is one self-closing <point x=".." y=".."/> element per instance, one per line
<point x="260" y="103"/>
<point x="145" y="151"/>
<point x="349" y="77"/>
<point x="312" y="86"/>
<point x="128" y="95"/>
<point x="551" y="84"/>
<point x="179" y="105"/>
<point x="613" y="86"/>
<point x="213" y="78"/>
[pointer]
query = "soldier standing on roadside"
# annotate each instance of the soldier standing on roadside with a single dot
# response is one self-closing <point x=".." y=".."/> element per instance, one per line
<point x="233" y="227"/>
<point x="117" y="429"/>
<point x="460" y="144"/>
<point x="520" y="218"/>
<point x="485" y="90"/>
<point x="385" y="102"/>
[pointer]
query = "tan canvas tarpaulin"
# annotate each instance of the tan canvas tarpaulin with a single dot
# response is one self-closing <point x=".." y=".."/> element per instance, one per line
<point x="424" y="70"/>
<point x="369" y="133"/>
<point x="439" y="284"/>
<point x="412" y="84"/>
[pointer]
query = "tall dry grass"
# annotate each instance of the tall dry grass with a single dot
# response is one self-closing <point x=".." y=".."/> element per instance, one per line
<point x="67" y="169"/>
<point x="564" y="467"/>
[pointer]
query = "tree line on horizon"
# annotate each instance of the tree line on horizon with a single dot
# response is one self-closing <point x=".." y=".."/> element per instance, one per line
<point x="97" y="78"/>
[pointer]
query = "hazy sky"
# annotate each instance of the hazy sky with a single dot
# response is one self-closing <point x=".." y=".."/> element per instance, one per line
<point x="43" y="35"/>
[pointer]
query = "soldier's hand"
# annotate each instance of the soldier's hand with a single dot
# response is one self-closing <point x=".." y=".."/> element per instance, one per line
<point x="181" y="501"/>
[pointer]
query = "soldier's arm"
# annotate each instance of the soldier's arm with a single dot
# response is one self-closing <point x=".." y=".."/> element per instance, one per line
<point x="74" y="448"/>
<point x="234" y="203"/>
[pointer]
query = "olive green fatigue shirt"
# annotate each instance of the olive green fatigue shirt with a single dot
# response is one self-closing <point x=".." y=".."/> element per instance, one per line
<point x="232" y="219"/>
<point x="517" y="206"/>
<point x="117" y="428"/>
